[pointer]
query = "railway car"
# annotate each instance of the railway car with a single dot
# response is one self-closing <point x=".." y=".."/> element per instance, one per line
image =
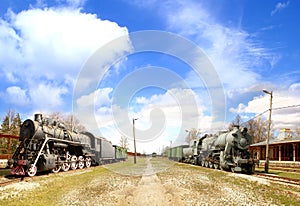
<point x="103" y="152"/>
<point x="176" y="153"/>
<point x="120" y="153"/>
<point x="46" y="145"/>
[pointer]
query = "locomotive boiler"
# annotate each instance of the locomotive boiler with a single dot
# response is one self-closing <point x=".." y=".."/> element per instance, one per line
<point x="46" y="144"/>
<point x="226" y="151"/>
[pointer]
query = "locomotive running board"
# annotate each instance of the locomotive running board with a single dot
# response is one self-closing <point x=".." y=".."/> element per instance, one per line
<point x="50" y="138"/>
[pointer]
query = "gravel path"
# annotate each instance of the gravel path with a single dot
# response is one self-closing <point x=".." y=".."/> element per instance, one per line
<point x="149" y="191"/>
<point x="158" y="182"/>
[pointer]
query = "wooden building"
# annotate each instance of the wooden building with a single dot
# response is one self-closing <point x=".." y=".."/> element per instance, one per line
<point x="5" y="148"/>
<point x="283" y="150"/>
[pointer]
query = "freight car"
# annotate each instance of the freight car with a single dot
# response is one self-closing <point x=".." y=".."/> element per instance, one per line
<point x="176" y="153"/>
<point x="46" y="144"/>
<point x="226" y="151"/>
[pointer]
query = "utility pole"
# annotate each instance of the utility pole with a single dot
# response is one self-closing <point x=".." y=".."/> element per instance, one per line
<point x="133" y="120"/>
<point x="269" y="131"/>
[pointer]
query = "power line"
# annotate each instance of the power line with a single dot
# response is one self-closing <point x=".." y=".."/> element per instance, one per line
<point x="277" y="108"/>
<point x="291" y="106"/>
<point x="255" y="116"/>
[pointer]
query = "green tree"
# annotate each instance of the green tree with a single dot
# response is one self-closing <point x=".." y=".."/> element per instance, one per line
<point x="11" y="125"/>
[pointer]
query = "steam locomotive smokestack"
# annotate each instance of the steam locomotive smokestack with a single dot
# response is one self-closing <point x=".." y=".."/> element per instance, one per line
<point x="38" y="117"/>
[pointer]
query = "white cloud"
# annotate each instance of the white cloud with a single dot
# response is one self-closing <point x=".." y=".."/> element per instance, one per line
<point x="286" y="108"/>
<point x="60" y="40"/>
<point x="295" y="88"/>
<point x="279" y="6"/>
<point x="141" y="100"/>
<point x="231" y="50"/>
<point x="238" y="56"/>
<point x="98" y="98"/>
<point x="16" y="95"/>
<point x="240" y="109"/>
<point x="76" y="3"/>
<point x="161" y="118"/>
<point x="51" y="45"/>
<point x="235" y="53"/>
<point x="47" y="96"/>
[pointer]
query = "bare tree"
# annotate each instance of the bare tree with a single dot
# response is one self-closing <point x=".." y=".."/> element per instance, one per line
<point x="73" y="124"/>
<point x="164" y="151"/>
<point x="297" y="132"/>
<point x="236" y="122"/>
<point x="70" y="121"/>
<point x="193" y="134"/>
<point x="124" y="142"/>
<point x="258" y="129"/>
<point x="57" y="116"/>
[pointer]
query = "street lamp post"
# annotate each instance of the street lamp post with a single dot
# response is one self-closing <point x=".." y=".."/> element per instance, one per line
<point x="133" y="120"/>
<point x="269" y="130"/>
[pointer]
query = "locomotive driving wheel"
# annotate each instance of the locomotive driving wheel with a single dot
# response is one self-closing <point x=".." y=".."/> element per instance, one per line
<point x="32" y="171"/>
<point x="216" y="162"/>
<point x="216" y="166"/>
<point x="88" y="162"/>
<point x="74" y="163"/>
<point x="56" y="169"/>
<point x="80" y="162"/>
<point x="202" y="163"/>
<point x="66" y="165"/>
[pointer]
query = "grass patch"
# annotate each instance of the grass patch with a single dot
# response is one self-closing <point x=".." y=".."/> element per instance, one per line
<point x="221" y="185"/>
<point x="292" y="175"/>
<point x="4" y="172"/>
<point x="128" y="167"/>
<point x="48" y="190"/>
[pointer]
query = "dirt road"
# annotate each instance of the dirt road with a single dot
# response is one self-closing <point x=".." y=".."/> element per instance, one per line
<point x="152" y="181"/>
<point x="149" y="191"/>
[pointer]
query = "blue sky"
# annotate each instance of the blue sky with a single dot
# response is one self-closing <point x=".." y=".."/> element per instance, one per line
<point x="47" y="47"/>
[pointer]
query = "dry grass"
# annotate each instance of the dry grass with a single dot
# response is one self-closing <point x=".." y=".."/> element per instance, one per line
<point x="192" y="185"/>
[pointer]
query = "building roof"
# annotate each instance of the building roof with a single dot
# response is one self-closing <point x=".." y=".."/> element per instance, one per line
<point x="283" y="137"/>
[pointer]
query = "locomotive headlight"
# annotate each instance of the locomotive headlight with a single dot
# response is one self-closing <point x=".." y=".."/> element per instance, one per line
<point x="243" y="142"/>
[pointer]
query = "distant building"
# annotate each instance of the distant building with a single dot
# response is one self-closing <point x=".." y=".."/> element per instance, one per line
<point x="286" y="147"/>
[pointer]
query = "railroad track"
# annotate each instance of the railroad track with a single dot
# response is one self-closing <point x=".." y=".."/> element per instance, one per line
<point x="286" y="169"/>
<point x="279" y="179"/>
<point x="10" y="179"/>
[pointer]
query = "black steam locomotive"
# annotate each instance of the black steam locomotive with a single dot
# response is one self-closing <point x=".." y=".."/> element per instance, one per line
<point x="226" y="151"/>
<point x="46" y="144"/>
